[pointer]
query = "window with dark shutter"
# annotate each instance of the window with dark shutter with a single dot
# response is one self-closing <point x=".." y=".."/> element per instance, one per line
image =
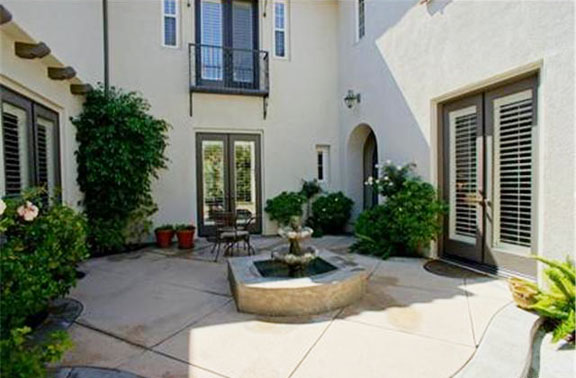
<point x="28" y="146"/>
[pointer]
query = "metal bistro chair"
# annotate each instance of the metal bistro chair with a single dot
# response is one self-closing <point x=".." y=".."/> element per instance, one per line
<point x="230" y="233"/>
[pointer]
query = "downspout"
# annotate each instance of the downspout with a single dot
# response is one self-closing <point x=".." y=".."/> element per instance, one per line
<point x="105" y="45"/>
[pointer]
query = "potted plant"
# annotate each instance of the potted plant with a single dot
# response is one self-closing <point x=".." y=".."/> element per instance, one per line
<point x="164" y="235"/>
<point x="185" y="235"/>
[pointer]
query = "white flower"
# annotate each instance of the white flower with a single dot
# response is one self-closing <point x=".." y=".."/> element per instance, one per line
<point x="386" y="178"/>
<point x="388" y="162"/>
<point x="377" y="166"/>
<point x="28" y="212"/>
<point x="2" y="206"/>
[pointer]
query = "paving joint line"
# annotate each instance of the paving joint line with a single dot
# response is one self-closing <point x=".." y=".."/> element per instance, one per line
<point x="218" y="308"/>
<point x="143" y="347"/>
<point x="384" y="328"/>
<point x="315" y="343"/>
<point x="476" y="341"/>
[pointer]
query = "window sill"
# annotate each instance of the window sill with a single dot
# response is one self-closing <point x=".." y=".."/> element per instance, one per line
<point x="230" y="91"/>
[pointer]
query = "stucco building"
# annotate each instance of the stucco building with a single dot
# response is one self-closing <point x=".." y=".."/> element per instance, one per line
<point x="480" y="95"/>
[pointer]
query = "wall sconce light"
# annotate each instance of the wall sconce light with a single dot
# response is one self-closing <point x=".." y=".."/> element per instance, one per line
<point x="351" y="98"/>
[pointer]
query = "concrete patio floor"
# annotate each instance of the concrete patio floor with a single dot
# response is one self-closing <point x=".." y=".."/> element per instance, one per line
<point x="167" y="313"/>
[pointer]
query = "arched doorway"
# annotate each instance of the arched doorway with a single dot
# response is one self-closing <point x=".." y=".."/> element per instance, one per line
<point x="361" y="158"/>
<point x="370" y="170"/>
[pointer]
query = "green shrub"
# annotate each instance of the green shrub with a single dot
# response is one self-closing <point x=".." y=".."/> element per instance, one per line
<point x="405" y="223"/>
<point x="20" y="358"/>
<point x="310" y="189"/>
<point x="285" y="206"/>
<point x="392" y="178"/>
<point x="331" y="213"/>
<point x="558" y="303"/>
<point x="38" y="258"/>
<point x="120" y="149"/>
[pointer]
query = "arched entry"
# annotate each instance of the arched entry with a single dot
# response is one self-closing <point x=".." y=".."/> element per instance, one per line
<point x="361" y="157"/>
<point x="370" y="170"/>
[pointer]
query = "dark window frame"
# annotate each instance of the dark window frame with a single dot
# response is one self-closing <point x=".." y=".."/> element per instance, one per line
<point x="361" y="14"/>
<point x="227" y="44"/>
<point x="33" y="111"/>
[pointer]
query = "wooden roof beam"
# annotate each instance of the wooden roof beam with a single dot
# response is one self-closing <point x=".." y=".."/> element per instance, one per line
<point x="5" y="15"/>
<point x="31" y="50"/>
<point x="61" y="73"/>
<point x="80" y="89"/>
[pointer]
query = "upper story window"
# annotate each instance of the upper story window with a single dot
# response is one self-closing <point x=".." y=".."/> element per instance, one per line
<point x="226" y="52"/>
<point x="280" y="28"/>
<point x="360" y="19"/>
<point x="29" y="146"/>
<point x="170" y="23"/>
<point x="322" y="163"/>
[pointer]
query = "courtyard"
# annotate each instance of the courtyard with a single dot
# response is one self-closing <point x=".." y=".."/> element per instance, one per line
<point x="169" y="313"/>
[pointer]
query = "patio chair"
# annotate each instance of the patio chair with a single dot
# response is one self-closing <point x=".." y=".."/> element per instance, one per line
<point x="230" y="233"/>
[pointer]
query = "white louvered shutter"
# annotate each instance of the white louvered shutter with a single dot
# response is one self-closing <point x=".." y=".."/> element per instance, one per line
<point x="513" y="171"/>
<point x="463" y="174"/>
<point x="15" y="160"/>
<point x="46" y="154"/>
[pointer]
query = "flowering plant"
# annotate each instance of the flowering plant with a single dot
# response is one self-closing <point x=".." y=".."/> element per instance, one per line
<point x="408" y="219"/>
<point x="40" y="247"/>
<point x="391" y="178"/>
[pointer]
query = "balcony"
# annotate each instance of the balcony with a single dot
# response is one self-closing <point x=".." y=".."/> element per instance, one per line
<point x="227" y="70"/>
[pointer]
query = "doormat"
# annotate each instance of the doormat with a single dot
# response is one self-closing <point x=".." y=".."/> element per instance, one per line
<point x="444" y="269"/>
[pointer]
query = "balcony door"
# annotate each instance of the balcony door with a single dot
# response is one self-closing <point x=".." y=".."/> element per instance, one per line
<point x="228" y="171"/>
<point x="489" y="144"/>
<point x="227" y="43"/>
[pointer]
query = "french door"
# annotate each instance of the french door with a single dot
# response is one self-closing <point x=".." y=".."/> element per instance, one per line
<point x="228" y="167"/>
<point x="227" y="38"/>
<point x="489" y="145"/>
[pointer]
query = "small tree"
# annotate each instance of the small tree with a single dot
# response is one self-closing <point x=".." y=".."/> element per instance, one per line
<point x="121" y="148"/>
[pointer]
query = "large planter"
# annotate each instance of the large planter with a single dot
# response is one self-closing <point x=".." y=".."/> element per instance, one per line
<point x="164" y="238"/>
<point x="186" y="238"/>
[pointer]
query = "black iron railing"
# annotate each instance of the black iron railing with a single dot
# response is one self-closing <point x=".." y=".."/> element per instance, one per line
<point x="228" y="70"/>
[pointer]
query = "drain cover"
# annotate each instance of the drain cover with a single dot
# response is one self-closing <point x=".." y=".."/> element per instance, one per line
<point x="441" y="268"/>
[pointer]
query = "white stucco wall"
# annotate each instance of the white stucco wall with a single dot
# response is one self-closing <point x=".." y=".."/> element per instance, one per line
<point x="414" y="54"/>
<point x="29" y="78"/>
<point x="72" y="29"/>
<point x="302" y="107"/>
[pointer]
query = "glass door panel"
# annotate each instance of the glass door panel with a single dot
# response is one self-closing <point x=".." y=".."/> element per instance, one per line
<point x="463" y="178"/>
<point x="243" y="42"/>
<point x="212" y="40"/>
<point x="244" y="179"/>
<point x="213" y="179"/>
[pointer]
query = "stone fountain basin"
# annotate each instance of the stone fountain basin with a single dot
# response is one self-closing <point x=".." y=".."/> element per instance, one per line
<point x="273" y="296"/>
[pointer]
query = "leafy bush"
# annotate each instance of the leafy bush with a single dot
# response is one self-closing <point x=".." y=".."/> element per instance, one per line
<point x="285" y="206"/>
<point x="20" y="358"/>
<point x="392" y="178"/>
<point x="310" y="189"/>
<point x="331" y="212"/>
<point x="121" y="148"/>
<point x="40" y="250"/>
<point x="558" y="302"/>
<point x="403" y="224"/>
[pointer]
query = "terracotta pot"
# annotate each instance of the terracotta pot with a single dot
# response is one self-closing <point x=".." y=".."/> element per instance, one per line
<point x="164" y="238"/>
<point x="185" y="238"/>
